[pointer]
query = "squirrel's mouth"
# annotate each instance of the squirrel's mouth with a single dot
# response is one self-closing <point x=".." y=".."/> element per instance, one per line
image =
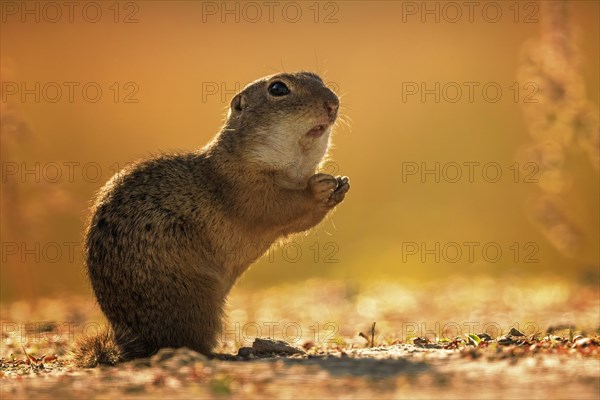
<point x="317" y="131"/>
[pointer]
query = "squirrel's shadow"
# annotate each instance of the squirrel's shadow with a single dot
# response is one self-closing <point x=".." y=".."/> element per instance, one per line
<point x="344" y="366"/>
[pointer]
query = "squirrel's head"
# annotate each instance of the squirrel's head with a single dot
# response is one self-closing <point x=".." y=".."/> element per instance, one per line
<point x="283" y="123"/>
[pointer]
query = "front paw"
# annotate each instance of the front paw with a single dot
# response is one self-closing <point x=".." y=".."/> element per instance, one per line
<point x="340" y="192"/>
<point x="327" y="189"/>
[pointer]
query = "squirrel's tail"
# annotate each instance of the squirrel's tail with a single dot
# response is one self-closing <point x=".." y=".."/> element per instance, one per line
<point x="108" y="347"/>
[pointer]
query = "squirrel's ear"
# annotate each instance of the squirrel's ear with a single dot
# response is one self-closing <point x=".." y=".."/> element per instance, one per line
<point x="238" y="103"/>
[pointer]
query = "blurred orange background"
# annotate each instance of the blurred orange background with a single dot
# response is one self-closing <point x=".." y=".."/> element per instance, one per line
<point x="167" y="71"/>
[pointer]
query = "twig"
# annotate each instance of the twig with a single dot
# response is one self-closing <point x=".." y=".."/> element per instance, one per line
<point x="373" y="335"/>
<point x="371" y="341"/>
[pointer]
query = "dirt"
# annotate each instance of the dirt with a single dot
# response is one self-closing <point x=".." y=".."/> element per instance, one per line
<point x="531" y="347"/>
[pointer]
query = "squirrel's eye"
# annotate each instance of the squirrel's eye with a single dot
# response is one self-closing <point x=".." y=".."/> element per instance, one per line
<point x="278" y="89"/>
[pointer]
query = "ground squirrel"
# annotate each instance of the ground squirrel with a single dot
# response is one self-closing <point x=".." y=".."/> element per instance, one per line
<point x="169" y="236"/>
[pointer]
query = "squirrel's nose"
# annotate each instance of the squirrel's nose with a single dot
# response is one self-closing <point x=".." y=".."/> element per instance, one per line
<point x="331" y="106"/>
